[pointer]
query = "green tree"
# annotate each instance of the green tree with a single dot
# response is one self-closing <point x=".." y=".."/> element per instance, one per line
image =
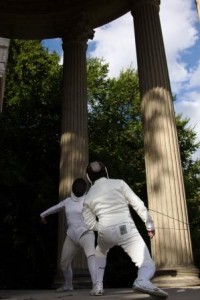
<point x="29" y="162"/>
<point x="115" y="127"/>
<point x="191" y="172"/>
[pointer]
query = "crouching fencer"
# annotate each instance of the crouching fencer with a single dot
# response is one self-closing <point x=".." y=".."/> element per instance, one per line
<point x="78" y="235"/>
<point x="106" y="210"/>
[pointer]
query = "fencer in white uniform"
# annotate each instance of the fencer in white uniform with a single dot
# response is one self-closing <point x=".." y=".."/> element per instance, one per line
<point x="106" y="210"/>
<point x="78" y="234"/>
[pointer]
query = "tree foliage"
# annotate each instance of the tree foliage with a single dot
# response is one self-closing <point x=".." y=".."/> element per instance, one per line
<point x="29" y="161"/>
<point x="115" y="127"/>
<point x="191" y="171"/>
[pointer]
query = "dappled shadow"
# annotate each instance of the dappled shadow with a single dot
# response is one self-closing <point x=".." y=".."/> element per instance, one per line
<point x="167" y="203"/>
<point x="159" y="133"/>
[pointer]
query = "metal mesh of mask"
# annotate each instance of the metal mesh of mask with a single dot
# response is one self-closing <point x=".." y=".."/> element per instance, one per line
<point x="95" y="166"/>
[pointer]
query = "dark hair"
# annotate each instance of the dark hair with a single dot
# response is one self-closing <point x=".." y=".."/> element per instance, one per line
<point x="96" y="170"/>
<point x="79" y="187"/>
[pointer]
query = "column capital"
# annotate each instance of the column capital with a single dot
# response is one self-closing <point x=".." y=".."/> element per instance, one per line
<point x="78" y="30"/>
<point x="134" y="4"/>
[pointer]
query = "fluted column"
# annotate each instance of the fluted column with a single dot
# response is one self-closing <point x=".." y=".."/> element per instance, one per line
<point x="171" y="247"/>
<point x="74" y="137"/>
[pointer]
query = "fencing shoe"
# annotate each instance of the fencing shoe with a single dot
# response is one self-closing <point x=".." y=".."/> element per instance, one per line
<point x="147" y="287"/>
<point x="64" y="288"/>
<point x="97" y="290"/>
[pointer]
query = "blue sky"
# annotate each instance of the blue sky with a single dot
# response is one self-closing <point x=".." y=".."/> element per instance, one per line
<point x="115" y="43"/>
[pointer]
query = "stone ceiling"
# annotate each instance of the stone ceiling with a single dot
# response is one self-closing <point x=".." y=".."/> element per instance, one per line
<point x="39" y="19"/>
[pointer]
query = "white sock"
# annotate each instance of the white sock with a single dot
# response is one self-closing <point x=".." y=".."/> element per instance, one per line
<point x="100" y="269"/>
<point x="92" y="268"/>
<point x="146" y="272"/>
<point x="68" y="275"/>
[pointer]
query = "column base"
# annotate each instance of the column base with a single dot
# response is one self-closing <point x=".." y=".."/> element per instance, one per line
<point x="177" y="277"/>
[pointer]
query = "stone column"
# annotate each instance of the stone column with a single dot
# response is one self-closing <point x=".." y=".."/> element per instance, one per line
<point x="171" y="247"/>
<point x="74" y="137"/>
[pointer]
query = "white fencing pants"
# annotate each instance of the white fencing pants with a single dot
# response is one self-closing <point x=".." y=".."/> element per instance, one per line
<point x="70" y="249"/>
<point x="127" y="236"/>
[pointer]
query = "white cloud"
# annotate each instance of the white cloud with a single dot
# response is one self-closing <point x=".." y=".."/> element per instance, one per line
<point x="180" y="35"/>
<point x="190" y="108"/>
<point x="194" y="81"/>
<point x="115" y="42"/>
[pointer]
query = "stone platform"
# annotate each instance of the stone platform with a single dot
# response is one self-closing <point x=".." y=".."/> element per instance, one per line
<point x="181" y="293"/>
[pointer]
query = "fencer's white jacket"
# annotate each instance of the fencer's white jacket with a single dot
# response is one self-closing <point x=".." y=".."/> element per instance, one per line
<point x="109" y="200"/>
<point x="73" y="206"/>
